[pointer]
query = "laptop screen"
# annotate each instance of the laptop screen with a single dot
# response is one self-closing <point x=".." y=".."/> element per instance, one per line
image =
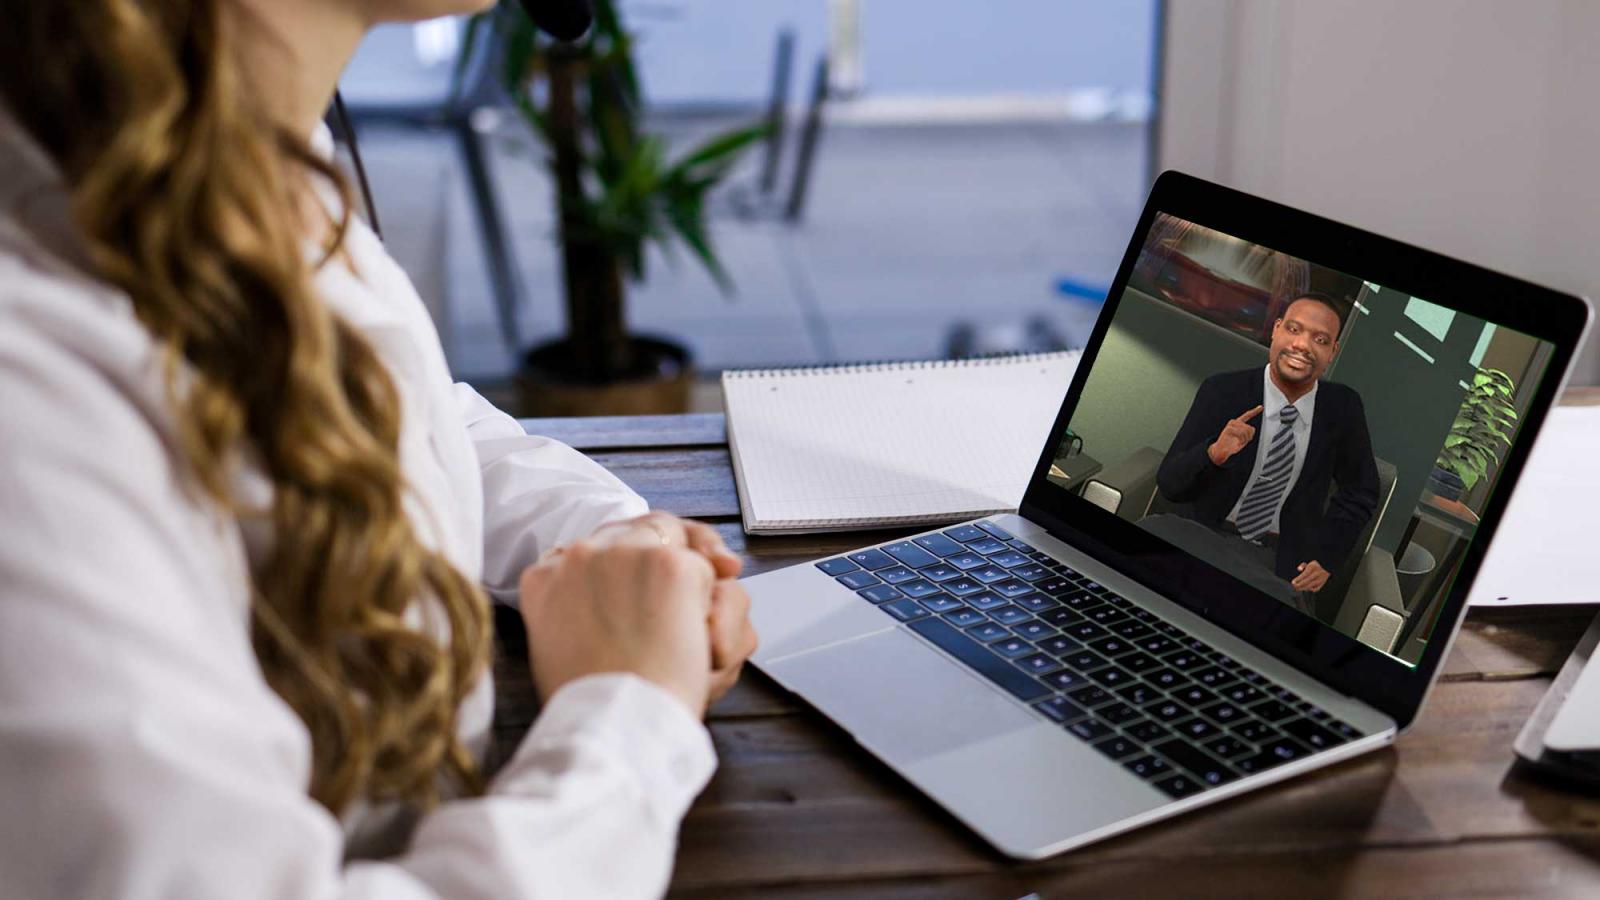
<point x="1322" y="438"/>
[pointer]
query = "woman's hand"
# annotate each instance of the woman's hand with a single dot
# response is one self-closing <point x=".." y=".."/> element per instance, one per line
<point x="627" y="607"/>
<point x="728" y="634"/>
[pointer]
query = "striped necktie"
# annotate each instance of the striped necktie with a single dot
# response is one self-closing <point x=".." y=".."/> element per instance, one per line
<point x="1265" y="495"/>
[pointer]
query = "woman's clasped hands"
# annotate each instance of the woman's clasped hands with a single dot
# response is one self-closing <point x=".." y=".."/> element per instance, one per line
<point x="654" y="596"/>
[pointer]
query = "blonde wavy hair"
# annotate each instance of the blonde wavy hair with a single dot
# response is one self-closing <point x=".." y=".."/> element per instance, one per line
<point x="189" y="200"/>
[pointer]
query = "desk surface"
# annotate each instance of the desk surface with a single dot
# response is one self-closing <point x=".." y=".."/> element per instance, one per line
<point x="797" y="810"/>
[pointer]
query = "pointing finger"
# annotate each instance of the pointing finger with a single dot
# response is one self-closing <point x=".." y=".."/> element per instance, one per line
<point x="1251" y="414"/>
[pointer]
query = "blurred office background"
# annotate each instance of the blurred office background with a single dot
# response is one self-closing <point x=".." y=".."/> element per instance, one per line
<point x="980" y="165"/>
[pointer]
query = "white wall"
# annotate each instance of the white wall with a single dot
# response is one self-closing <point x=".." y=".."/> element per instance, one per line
<point x="1468" y="126"/>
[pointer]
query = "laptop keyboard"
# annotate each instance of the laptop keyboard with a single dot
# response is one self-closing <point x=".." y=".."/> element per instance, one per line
<point x="1169" y="707"/>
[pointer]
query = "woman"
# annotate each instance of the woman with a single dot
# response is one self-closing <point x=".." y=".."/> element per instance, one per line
<point x="247" y="522"/>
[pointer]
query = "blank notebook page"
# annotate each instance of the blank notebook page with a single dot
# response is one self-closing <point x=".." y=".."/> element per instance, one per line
<point x="854" y="446"/>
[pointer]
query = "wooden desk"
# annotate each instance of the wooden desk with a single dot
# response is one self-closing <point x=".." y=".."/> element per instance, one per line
<point x="797" y="810"/>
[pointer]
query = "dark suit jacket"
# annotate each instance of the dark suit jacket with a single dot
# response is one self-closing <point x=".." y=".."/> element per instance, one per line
<point x="1311" y="525"/>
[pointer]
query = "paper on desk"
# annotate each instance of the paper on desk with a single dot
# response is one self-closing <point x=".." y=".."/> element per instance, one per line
<point x="1547" y="548"/>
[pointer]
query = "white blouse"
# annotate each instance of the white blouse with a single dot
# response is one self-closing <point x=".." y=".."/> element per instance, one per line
<point x="142" y="754"/>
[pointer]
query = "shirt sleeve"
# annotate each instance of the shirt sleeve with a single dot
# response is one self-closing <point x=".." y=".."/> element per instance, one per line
<point x="142" y="754"/>
<point x="537" y="493"/>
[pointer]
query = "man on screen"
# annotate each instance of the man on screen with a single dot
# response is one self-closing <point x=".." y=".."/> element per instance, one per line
<point x="1261" y="509"/>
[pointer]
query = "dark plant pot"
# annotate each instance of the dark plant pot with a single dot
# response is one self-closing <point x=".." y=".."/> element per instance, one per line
<point x="657" y="383"/>
<point x="1446" y="484"/>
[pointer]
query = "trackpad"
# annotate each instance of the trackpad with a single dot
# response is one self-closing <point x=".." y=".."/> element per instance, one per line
<point x="899" y="696"/>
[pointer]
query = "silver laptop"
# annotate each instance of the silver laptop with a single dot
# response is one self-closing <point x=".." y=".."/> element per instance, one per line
<point x="1242" y="554"/>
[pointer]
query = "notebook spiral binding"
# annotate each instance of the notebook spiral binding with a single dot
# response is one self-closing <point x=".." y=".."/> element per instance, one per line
<point x="895" y="365"/>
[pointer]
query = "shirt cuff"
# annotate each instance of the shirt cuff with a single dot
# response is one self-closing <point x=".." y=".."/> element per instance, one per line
<point x="639" y="726"/>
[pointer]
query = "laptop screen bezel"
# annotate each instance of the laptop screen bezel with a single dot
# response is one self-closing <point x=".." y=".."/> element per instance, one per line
<point x="1319" y="650"/>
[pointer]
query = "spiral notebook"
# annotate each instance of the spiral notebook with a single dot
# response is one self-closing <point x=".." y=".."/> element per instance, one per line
<point x="866" y="446"/>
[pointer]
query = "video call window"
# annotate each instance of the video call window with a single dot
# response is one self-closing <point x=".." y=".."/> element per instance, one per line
<point x="1326" y="440"/>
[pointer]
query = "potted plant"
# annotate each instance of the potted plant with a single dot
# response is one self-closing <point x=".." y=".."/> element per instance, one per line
<point x="1482" y="427"/>
<point x="618" y="191"/>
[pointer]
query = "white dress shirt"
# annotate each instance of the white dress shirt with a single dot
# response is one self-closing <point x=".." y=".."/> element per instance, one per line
<point x="1267" y="424"/>
<point x="142" y="754"/>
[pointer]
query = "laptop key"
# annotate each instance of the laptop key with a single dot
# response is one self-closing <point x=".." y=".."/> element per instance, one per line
<point x="1210" y="771"/>
<point x="880" y="593"/>
<point x="939" y="572"/>
<point x="962" y="587"/>
<point x="910" y="554"/>
<point x="1035" y="630"/>
<point x="917" y="589"/>
<point x="1255" y="731"/>
<point x="1009" y="615"/>
<point x="1138" y="694"/>
<point x="990" y="574"/>
<point x="1274" y="754"/>
<point x="1142" y="614"/>
<point x="1091" y="696"/>
<point x="939" y="545"/>
<point x="1066" y="680"/>
<point x="1213" y="676"/>
<point x="1055" y="586"/>
<point x="1228" y="747"/>
<point x="987" y="546"/>
<point x="1166" y="678"/>
<point x="978" y="658"/>
<point x="1090" y="729"/>
<point x="1185" y="660"/>
<point x="1057" y="645"/>
<point x="988" y="632"/>
<point x="1105" y="615"/>
<point x="1111" y="676"/>
<point x="1242" y="694"/>
<point x="963" y="617"/>
<point x="1082" y="601"/>
<point x="986" y="601"/>
<point x="837" y="566"/>
<point x="1168" y="711"/>
<point x="905" y="609"/>
<point x="1031" y="573"/>
<point x="1146" y="731"/>
<point x="967" y="561"/>
<point x="1060" y="616"/>
<point x="1117" y="713"/>
<point x="1117" y="747"/>
<point x="858" y="579"/>
<point x="1272" y="711"/>
<point x="1060" y="709"/>
<point x="1010" y="559"/>
<point x="1110" y="646"/>
<point x="1222" y="713"/>
<point x="1035" y="602"/>
<point x="872" y="559"/>
<point x="1038" y="664"/>
<point x="1085" y="660"/>
<point x="1312" y="734"/>
<point x="1132" y="630"/>
<point x="1147" y="766"/>
<point x="1196" y="729"/>
<point x="1085" y="631"/>
<point x="1156" y="645"/>
<point x="1138" y="662"/>
<point x="1011" y="647"/>
<point x="1342" y="729"/>
<point x="1012" y="588"/>
<point x="896" y="574"/>
<point x="966" y="534"/>
<point x="1178" y="786"/>
<point x="1195" y="696"/>
<point x="939" y="603"/>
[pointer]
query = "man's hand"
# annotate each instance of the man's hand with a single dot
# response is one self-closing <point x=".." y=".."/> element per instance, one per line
<point x="1234" y="436"/>
<point x="733" y="638"/>
<point x="1311" y="578"/>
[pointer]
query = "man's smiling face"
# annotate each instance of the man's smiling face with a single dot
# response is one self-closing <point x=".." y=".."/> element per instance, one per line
<point x="1303" y="343"/>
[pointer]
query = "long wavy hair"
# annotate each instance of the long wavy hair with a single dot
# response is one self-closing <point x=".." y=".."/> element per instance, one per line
<point x="192" y="202"/>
